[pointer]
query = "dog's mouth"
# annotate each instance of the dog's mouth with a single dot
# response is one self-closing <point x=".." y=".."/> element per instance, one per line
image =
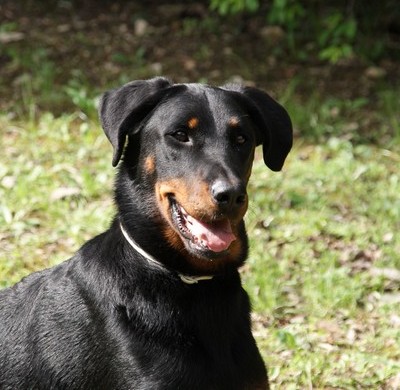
<point x="205" y="237"/>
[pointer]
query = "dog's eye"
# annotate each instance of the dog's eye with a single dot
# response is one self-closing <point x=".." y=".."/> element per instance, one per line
<point x="240" y="139"/>
<point x="181" y="136"/>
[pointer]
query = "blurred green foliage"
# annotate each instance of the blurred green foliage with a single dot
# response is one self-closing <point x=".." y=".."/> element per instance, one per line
<point x="333" y="31"/>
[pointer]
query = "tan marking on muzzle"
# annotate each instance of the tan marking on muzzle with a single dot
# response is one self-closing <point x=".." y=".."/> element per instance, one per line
<point x="195" y="197"/>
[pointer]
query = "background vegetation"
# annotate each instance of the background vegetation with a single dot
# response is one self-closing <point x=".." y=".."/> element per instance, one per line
<point x="331" y="30"/>
<point x="324" y="266"/>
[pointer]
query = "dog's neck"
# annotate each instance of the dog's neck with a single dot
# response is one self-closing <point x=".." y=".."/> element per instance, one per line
<point x="188" y="279"/>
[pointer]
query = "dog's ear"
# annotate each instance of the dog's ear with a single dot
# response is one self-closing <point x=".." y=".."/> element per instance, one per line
<point x="273" y="124"/>
<point x="123" y="109"/>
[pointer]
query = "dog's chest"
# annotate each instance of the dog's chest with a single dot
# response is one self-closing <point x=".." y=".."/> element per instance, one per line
<point x="195" y="341"/>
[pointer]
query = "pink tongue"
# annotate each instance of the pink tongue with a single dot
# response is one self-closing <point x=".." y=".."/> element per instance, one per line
<point x="217" y="237"/>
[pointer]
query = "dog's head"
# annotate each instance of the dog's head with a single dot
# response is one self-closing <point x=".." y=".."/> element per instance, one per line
<point x="191" y="148"/>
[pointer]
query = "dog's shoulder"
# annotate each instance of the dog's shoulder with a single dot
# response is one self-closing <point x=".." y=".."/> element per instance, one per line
<point x="36" y="294"/>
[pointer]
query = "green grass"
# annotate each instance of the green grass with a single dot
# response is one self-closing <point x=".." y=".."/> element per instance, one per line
<point x="55" y="188"/>
<point x="321" y="234"/>
<point x="323" y="268"/>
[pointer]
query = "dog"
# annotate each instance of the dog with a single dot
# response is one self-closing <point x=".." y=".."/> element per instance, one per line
<point x="156" y="301"/>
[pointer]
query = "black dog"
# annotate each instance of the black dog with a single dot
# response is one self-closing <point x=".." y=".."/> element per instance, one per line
<point x="156" y="301"/>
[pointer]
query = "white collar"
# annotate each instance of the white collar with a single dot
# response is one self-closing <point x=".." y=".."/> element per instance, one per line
<point x="185" y="278"/>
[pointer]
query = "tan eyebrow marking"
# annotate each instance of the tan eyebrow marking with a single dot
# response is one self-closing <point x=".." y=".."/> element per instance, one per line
<point x="233" y="122"/>
<point x="193" y="122"/>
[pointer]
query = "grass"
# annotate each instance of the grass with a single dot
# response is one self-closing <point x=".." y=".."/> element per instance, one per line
<point x="325" y="307"/>
<point x="57" y="187"/>
<point x="323" y="269"/>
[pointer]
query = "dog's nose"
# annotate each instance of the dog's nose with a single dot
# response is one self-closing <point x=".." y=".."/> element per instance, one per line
<point x="228" y="195"/>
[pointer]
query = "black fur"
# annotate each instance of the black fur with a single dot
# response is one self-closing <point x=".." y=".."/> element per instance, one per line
<point x="109" y="319"/>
